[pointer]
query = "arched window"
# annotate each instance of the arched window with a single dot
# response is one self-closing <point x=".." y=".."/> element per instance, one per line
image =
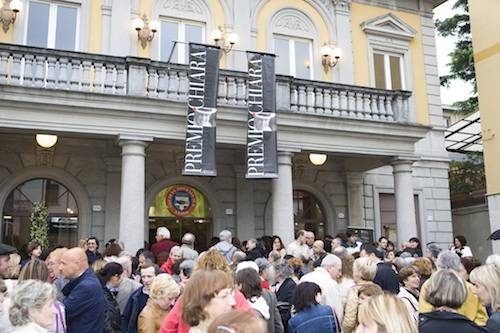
<point x="181" y="208"/>
<point x="62" y="208"/>
<point x="308" y="214"/>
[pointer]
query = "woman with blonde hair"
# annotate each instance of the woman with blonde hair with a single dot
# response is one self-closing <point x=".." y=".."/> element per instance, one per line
<point x="237" y="322"/>
<point x="163" y="293"/>
<point x="446" y="292"/>
<point x="385" y="314"/>
<point x="486" y="280"/>
<point x="208" y="295"/>
<point x="212" y="260"/>
<point x="364" y="271"/>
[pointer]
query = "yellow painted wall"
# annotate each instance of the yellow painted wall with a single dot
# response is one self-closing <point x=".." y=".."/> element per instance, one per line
<point x="95" y="33"/>
<point x="485" y="27"/>
<point x="361" y="13"/>
<point x="272" y="6"/>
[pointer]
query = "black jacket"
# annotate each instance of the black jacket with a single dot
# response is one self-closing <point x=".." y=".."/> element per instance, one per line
<point x="112" y="319"/>
<point x="255" y="253"/>
<point x="135" y="304"/>
<point x="442" y="321"/>
<point x="284" y="295"/>
<point x="386" y="278"/>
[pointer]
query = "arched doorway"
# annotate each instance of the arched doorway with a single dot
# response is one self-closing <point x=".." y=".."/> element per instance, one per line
<point x="62" y="208"/>
<point x="181" y="208"/>
<point x="308" y="214"/>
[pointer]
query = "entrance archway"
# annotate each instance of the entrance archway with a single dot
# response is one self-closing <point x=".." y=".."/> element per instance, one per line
<point x="62" y="207"/>
<point x="308" y="214"/>
<point x="181" y="208"/>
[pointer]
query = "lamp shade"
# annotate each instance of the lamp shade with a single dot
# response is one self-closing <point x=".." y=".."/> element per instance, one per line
<point x="154" y="25"/>
<point x="16" y="6"/>
<point x="46" y="140"/>
<point x="317" y="159"/>
<point x="337" y="53"/>
<point x="138" y="23"/>
<point x="233" y="38"/>
<point x="216" y="34"/>
<point x="325" y="50"/>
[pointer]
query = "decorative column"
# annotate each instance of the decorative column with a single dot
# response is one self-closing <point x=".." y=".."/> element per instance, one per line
<point x="355" y="199"/>
<point x="112" y="203"/>
<point x="405" y="205"/>
<point x="132" y="193"/>
<point x="283" y="199"/>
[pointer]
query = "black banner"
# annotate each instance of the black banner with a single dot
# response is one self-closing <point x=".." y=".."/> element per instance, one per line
<point x="261" y="132"/>
<point x="199" y="157"/>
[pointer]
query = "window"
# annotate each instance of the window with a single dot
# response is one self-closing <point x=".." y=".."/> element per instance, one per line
<point x="52" y="25"/>
<point x="388" y="70"/>
<point x="293" y="57"/>
<point x="171" y="31"/>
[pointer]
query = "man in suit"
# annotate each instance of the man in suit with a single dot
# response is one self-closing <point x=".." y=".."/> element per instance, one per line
<point x="386" y="278"/>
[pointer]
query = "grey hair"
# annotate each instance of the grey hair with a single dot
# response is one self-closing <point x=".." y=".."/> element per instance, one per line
<point x="163" y="232"/>
<point x="29" y="294"/>
<point x="448" y="260"/>
<point x="446" y="288"/>
<point x="176" y="248"/>
<point x="434" y="249"/>
<point x="263" y="264"/>
<point x="188" y="239"/>
<point x="282" y="268"/>
<point x="126" y="263"/>
<point x="225" y="235"/>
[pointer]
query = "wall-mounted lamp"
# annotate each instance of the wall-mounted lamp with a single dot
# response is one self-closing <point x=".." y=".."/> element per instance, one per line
<point x="330" y="56"/>
<point x="46" y="140"/>
<point x="8" y="12"/>
<point x="223" y="40"/>
<point x="317" y="159"/>
<point x="145" y="30"/>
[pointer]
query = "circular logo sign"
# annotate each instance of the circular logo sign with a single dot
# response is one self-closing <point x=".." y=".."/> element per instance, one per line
<point x="181" y="200"/>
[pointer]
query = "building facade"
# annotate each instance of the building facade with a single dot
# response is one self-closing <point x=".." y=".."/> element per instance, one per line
<point x="78" y="70"/>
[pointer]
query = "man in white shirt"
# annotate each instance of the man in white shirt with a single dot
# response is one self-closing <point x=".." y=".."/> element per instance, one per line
<point x="298" y="248"/>
<point x="325" y="277"/>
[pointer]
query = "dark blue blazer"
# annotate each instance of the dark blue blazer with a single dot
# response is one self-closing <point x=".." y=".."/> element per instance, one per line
<point x="84" y="304"/>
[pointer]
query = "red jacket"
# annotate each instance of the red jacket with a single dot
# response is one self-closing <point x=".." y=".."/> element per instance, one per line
<point x="174" y="323"/>
<point x="162" y="246"/>
<point x="167" y="266"/>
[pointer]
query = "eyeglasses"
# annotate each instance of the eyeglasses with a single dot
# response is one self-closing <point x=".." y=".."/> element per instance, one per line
<point x="225" y="329"/>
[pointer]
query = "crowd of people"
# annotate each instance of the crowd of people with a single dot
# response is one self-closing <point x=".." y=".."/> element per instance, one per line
<point x="335" y="284"/>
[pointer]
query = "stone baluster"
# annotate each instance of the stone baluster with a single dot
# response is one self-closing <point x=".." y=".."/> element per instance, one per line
<point x="120" y="79"/>
<point x="381" y="107"/>
<point x="62" y="79"/>
<point x="318" y="101"/>
<point x="343" y="103"/>
<point x="15" y="76"/>
<point x="221" y="91"/>
<point x="310" y="99"/>
<point x="4" y="62"/>
<point x="162" y="83"/>
<point x="74" y="81"/>
<point x="367" y="109"/>
<point x="29" y="65"/>
<point x="374" y="105"/>
<point x="108" y="79"/>
<point x="152" y="82"/>
<point x="351" y="102"/>
<point x="173" y="84"/>
<point x="294" y="98"/>
<point x="240" y="91"/>
<point x="51" y="72"/>
<point x="183" y="85"/>
<point x="39" y="71"/>
<point x="231" y="90"/>
<point x="302" y="99"/>
<point x="335" y="103"/>
<point x="327" y="101"/>
<point x="86" y="65"/>
<point x="397" y="107"/>
<point x="388" y="108"/>
<point x="98" y="77"/>
<point x="360" y="112"/>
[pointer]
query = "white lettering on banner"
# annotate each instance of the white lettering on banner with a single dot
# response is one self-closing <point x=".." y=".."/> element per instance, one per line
<point x="193" y="157"/>
<point x="255" y="136"/>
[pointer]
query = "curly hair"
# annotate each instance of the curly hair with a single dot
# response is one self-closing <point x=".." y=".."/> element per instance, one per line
<point x="29" y="294"/>
<point x="212" y="260"/>
<point x="164" y="286"/>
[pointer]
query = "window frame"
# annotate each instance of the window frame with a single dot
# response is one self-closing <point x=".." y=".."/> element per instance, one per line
<point x="293" y="59"/>
<point x="52" y="21"/>
<point x="181" y="35"/>
<point x="387" y="68"/>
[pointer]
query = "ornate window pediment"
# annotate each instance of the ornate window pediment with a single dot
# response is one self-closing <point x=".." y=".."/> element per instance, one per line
<point x="389" y="25"/>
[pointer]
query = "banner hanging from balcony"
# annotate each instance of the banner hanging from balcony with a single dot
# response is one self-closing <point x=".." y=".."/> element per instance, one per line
<point x="199" y="156"/>
<point x="261" y="130"/>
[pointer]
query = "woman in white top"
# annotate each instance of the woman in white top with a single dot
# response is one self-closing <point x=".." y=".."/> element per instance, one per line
<point x="460" y="247"/>
<point x="32" y="307"/>
<point x="408" y="292"/>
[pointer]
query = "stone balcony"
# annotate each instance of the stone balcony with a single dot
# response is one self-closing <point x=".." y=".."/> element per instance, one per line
<point x="72" y="80"/>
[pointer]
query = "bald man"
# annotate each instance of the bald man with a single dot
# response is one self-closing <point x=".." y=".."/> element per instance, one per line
<point x="84" y="298"/>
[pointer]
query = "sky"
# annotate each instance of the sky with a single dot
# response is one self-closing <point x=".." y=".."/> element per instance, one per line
<point x="458" y="90"/>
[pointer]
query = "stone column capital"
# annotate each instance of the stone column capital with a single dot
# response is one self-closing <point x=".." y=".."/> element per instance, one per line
<point x="403" y="164"/>
<point x="285" y="157"/>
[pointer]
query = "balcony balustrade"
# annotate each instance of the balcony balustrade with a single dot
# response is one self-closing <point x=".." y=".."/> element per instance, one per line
<point x="130" y="76"/>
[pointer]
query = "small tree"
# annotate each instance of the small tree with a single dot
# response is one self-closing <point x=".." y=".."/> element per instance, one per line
<point x="39" y="230"/>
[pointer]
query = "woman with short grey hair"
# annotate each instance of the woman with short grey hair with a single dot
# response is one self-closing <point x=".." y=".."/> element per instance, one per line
<point x="32" y="307"/>
<point x="446" y="292"/>
<point x="284" y="289"/>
